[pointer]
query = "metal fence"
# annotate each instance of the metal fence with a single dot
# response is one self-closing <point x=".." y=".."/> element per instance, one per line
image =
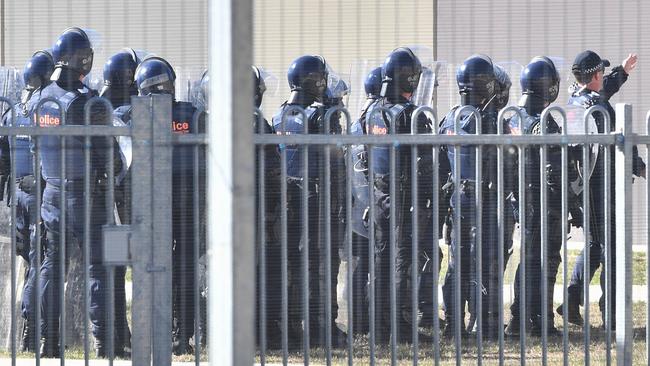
<point x="145" y="243"/>
<point x="294" y="286"/>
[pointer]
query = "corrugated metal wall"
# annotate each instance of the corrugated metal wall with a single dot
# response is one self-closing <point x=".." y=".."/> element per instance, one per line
<point x="507" y="30"/>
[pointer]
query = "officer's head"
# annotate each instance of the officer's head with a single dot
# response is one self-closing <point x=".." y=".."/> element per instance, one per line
<point x="372" y="84"/>
<point x="477" y="83"/>
<point x="503" y="87"/>
<point x="38" y="70"/>
<point x="400" y="74"/>
<point x="72" y="52"/>
<point x="540" y="84"/>
<point x="259" y="87"/>
<point x="155" y="76"/>
<point x="589" y="70"/>
<point x="308" y="75"/>
<point x="119" y="73"/>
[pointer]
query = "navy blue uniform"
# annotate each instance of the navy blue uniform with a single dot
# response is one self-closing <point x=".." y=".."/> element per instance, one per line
<point x="402" y="109"/>
<point x="24" y="198"/>
<point x="534" y="296"/>
<point x="466" y="188"/>
<point x="73" y="95"/>
<point x="183" y="184"/>
<point x="314" y="183"/>
<point x="587" y="98"/>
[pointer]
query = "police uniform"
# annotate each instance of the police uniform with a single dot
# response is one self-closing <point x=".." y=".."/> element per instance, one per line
<point x="73" y="96"/>
<point x="586" y="98"/>
<point x="314" y="183"/>
<point x="402" y="110"/>
<point x="531" y="125"/>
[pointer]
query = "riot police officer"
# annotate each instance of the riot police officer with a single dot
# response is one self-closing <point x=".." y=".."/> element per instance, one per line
<point x="400" y="77"/>
<point x="360" y="206"/>
<point x="540" y="85"/>
<point x="308" y="80"/>
<point x="36" y="76"/>
<point x="73" y="56"/>
<point x="592" y="88"/>
<point x="156" y="76"/>
<point x="478" y="87"/>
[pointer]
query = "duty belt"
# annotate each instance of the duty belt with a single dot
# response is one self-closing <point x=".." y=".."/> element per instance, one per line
<point x="67" y="183"/>
<point x="311" y="183"/>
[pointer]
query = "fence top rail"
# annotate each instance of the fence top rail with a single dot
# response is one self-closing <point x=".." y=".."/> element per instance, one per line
<point x="69" y="130"/>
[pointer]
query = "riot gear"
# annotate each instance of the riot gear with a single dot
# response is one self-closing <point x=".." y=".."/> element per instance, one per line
<point x="372" y="83"/>
<point x="73" y="50"/>
<point x="540" y="84"/>
<point x="400" y="73"/>
<point x="307" y="78"/>
<point x="119" y="77"/>
<point x="155" y="76"/>
<point x="37" y="71"/>
<point x="476" y="81"/>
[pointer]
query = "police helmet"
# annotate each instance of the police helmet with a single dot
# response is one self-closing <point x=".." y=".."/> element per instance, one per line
<point x="155" y="76"/>
<point x="309" y="74"/>
<point x="540" y="82"/>
<point x="476" y="80"/>
<point x="258" y="86"/>
<point x="400" y="72"/>
<point x="503" y="87"/>
<point x="119" y="70"/>
<point x="73" y="50"/>
<point x="38" y="70"/>
<point x="372" y="84"/>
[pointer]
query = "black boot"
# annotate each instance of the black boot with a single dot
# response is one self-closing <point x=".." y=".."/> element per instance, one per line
<point x="50" y="348"/>
<point x="181" y="346"/>
<point x="28" y="342"/>
<point x="573" y="315"/>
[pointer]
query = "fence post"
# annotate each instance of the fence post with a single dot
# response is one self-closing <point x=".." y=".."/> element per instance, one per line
<point x="623" y="163"/>
<point x="152" y="230"/>
<point x="231" y="163"/>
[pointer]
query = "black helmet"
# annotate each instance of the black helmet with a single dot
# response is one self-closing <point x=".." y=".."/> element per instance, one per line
<point x="73" y="50"/>
<point x="400" y="72"/>
<point x="503" y="87"/>
<point x="476" y="81"/>
<point x="308" y="74"/>
<point x="119" y="70"/>
<point x="38" y="70"/>
<point x="372" y="84"/>
<point x="155" y="76"/>
<point x="540" y="83"/>
<point x="259" y="87"/>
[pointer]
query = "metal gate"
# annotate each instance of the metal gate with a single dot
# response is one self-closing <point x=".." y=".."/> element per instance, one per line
<point x="367" y="349"/>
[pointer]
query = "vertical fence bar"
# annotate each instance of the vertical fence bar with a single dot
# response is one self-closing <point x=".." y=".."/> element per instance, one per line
<point x="565" y="251"/>
<point x="587" y="230"/>
<point x="478" y="242"/>
<point x="348" y="235"/>
<point x="86" y="236"/>
<point x="392" y="170"/>
<point x="501" y="230"/>
<point x="11" y="197"/>
<point x="62" y="241"/>
<point x="414" y="242"/>
<point x="543" y="153"/>
<point x="306" y="247"/>
<point x="624" y="205"/>
<point x="371" y="242"/>
<point x="607" y="243"/>
<point x="283" y="254"/>
<point x="328" y="247"/>
<point x="522" y="248"/>
<point x="647" y="269"/>
<point x="261" y="227"/>
<point x="458" y="319"/>
<point x="196" y="214"/>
